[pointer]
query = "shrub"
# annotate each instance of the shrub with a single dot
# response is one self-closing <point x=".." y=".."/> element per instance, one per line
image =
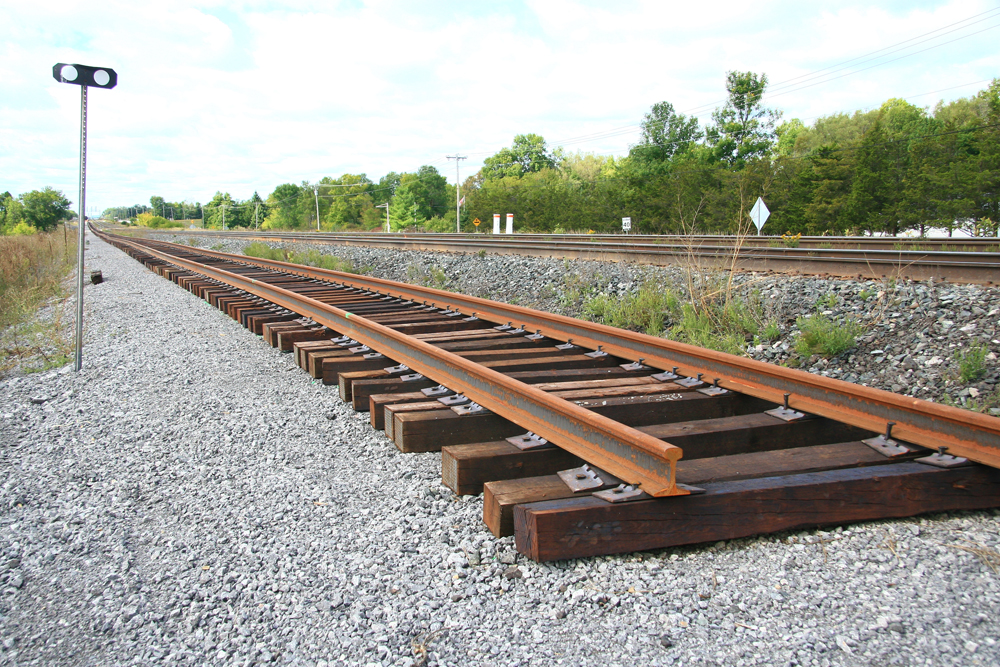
<point x="309" y="258"/>
<point x="156" y="221"/>
<point x="821" y="335"/>
<point x="971" y="363"/>
<point x="22" y="229"/>
<point x="646" y="310"/>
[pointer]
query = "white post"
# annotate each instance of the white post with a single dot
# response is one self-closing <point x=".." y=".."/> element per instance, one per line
<point x="496" y="223"/>
<point x="510" y="223"/>
<point x="458" y="188"/>
<point x="316" y="193"/>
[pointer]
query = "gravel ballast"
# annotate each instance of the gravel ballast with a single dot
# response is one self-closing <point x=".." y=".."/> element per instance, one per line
<point x="191" y="497"/>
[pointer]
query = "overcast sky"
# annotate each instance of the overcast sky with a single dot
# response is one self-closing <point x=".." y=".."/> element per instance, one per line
<point x="244" y="96"/>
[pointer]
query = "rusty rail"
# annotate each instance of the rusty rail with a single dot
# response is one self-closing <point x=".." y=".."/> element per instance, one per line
<point x="964" y="433"/>
<point x="623" y="451"/>
<point x="915" y="259"/>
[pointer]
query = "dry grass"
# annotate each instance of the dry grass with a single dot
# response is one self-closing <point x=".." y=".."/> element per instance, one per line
<point x="421" y="646"/>
<point x="32" y="272"/>
<point x="990" y="557"/>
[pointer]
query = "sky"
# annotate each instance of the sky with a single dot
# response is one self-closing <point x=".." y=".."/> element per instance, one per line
<point x="243" y="96"/>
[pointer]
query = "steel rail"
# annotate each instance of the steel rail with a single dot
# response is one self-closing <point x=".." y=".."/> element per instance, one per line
<point x="625" y="452"/>
<point x="966" y="267"/>
<point x="889" y="243"/>
<point x="964" y="433"/>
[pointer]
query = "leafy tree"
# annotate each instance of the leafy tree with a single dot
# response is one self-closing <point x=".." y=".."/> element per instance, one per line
<point x="420" y="197"/>
<point x="43" y="209"/>
<point x="665" y="135"/>
<point x="224" y="210"/>
<point x="788" y="134"/>
<point x="526" y="155"/>
<point x="346" y="205"/>
<point x="743" y="128"/>
<point x="386" y="188"/>
<point x="284" y="210"/>
<point x="158" y="204"/>
<point x="11" y="213"/>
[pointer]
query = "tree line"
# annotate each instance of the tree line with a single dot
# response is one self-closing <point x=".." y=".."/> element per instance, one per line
<point x="896" y="168"/>
<point x="34" y="211"/>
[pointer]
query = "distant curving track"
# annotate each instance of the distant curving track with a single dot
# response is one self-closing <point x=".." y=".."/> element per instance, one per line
<point x="954" y="260"/>
<point x="634" y="442"/>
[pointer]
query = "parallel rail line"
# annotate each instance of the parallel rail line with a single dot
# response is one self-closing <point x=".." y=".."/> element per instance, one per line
<point x="956" y="260"/>
<point x="635" y="408"/>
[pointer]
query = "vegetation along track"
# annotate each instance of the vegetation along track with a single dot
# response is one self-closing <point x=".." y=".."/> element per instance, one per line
<point x="633" y="442"/>
<point x="955" y="260"/>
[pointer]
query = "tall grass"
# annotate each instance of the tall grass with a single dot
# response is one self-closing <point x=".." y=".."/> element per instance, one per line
<point x="308" y="258"/>
<point x="32" y="271"/>
<point x="716" y="324"/>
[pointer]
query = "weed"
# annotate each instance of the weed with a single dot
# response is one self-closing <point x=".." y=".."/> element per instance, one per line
<point x="827" y="302"/>
<point x="311" y="257"/>
<point x="821" y="335"/>
<point x="825" y="245"/>
<point x="971" y="362"/>
<point x="218" y="247"/>
<point x="771" y="331"/>
<point x="481" y="254"/>
<point x="989" y="557"/>
<point x="864" y="294"/>
<point x="646" y="310"/>
<point x="421" y="644"/>
<point x="437" y="278"/>
<point x="790" y="240"/>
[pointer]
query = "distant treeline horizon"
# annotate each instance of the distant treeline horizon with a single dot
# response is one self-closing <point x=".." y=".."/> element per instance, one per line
<point x="896" y="168"/>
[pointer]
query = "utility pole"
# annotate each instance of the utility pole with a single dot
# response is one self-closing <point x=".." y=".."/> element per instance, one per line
<point x="256" y="210"/>
<point x="388" y="229"/>
<point x="458" y="187"/>
<point x="223" y="216"/>
<point x="316" y="194"/>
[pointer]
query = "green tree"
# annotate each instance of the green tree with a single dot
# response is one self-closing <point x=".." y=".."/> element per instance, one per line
<point x="44" y="209"/>
<point x="872" y="202"/>
<point x="346" y="202"/>
<point x="157" y="204"/>
<point x="386" y="188"/>
<point x="11" y="213"/>
<point x="831" y="187"/>
<point x="665" y="134"/>
<point x="284" y="208"/>
<point x="744" y="129"/>
<point x="526" y="155"/>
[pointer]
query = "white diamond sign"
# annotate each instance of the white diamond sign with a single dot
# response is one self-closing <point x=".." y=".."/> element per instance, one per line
<point x="759" y="214"/>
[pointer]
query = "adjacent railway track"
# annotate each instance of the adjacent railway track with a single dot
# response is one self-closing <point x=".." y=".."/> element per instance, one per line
<point x="589" y="440"/>
<point x="956" y="260"/>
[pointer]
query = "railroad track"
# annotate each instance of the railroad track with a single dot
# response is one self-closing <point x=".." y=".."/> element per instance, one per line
<point x="962" y="261"/>
<point x="589" y="440"/>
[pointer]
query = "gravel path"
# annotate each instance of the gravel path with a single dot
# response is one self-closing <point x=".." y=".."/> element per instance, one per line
<point x="192" y="498"/>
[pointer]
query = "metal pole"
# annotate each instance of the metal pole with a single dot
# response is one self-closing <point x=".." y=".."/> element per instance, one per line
<point x="458" y="188"/>
<point x="316" y="194"/>
<point x="81" y="231"/>
<point x="256" y="210"/>
<point x="223" y="216"/>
